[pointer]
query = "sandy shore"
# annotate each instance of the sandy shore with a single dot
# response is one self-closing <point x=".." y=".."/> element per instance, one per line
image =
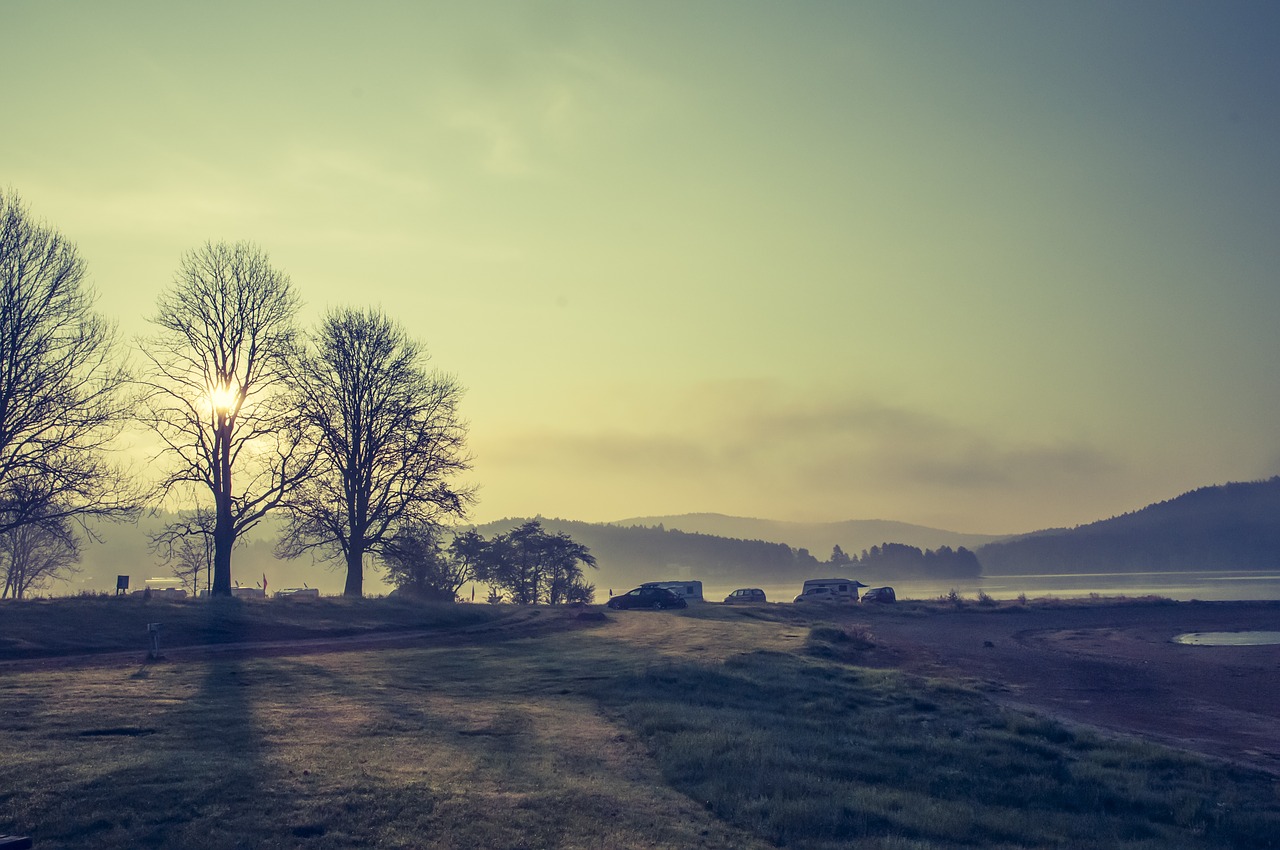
<point x="1109" y="665"/>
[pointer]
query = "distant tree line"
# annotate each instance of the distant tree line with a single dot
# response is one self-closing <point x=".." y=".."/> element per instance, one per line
<point x="637" y="553"/>
<point x="890" y="561"/>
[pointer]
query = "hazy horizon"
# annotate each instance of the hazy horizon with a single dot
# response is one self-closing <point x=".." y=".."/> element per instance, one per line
<point x="1196" y="576"/>
<point x="988" y="267"/>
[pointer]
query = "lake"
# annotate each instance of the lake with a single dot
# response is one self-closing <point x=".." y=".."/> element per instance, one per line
<point x="1229" y="638"/>
<point x="1207" y="585"/>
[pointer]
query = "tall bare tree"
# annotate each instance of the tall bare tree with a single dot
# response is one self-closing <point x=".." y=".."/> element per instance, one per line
<point x="216" y="389"/>
<point x="61" y="388"/>
<point x="388" y="440"/>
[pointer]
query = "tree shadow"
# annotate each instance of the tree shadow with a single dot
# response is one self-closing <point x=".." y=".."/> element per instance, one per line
<point x="190" y="781"/>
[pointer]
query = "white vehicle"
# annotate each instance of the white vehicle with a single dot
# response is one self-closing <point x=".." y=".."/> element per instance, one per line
<point x="298" y="593"/>
<point x="829" y="590"/>
<point x="689" y="591"/>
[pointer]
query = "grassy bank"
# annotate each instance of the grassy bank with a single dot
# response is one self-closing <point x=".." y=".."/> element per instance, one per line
<point x="809" y="754"/>
<point x="53" y="627"/>
<point x="710" y="728"/>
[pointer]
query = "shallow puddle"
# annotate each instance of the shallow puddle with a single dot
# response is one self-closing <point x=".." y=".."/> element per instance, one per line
<point x="1228" y="638"/>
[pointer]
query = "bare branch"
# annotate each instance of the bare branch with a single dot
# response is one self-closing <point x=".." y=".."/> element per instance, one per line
<point x="62" y="398"/>
<point x="387" y="437"/>
<point x="215" y="389"/>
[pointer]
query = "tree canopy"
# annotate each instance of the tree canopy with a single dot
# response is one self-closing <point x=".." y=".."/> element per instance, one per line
<point x="419" y="564"/>
<point x="62" y="389"/>
<point x="216" y="390"/>
<point x="386" y="436"/>
<point x="529" y="565"/>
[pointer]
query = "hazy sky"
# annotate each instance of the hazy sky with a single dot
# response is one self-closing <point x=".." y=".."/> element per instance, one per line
<point x="990" y="266"/>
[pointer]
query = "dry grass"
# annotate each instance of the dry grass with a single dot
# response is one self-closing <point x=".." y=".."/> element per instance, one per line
<point x="710" y="728"/>
<point x="54" y="627"/>
<point x="496" y="745"/>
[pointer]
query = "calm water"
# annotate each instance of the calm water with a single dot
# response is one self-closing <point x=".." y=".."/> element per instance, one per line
<point x="1229" y="638"/>
<point x="1183" y="586"/>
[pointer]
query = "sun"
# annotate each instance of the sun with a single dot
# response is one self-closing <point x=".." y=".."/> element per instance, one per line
<point x="222" y="399"/>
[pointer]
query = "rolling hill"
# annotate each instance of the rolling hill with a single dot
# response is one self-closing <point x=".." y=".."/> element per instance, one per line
<point x="852" y="536"/>
<point x="630" y="554"/>
<point x="1227" y="527"/>
<point x="1232" y="526"/>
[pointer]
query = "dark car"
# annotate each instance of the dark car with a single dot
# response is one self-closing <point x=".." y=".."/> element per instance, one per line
<point x="879" y="594"/>
<point x="647" y="597"/>
<point x="745" y="594"/>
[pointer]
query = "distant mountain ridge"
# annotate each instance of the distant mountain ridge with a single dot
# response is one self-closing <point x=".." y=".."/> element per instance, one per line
<point x="628" y="554"/>
<point x="1233" y="526"/>
<point x="852" y="536"/>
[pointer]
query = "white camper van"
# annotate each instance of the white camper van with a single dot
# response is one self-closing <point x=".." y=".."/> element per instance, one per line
<point x="829" y="590"/>
<point x="689" y="591"/>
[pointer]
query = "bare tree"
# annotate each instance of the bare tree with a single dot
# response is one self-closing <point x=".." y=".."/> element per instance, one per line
<point x="186" y="547"/>
<point x="35" y="554"/>
<point x="61" y="388"/>
<point x="387" y="436"/>
<point x="215" y="389"/>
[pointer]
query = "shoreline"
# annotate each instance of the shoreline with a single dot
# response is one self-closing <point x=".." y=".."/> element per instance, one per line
<point x="1112" y="665"/>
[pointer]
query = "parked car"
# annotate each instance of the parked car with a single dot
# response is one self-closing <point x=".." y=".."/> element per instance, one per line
<point x="818" y="596"/>
<point x="646" y="597"/>
<point x="745" y="595"/>
<point x="880" y="594"/>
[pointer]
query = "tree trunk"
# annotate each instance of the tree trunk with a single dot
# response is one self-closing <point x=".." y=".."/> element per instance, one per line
<point x="355" y="571"/>
<point x="224" y="538"/>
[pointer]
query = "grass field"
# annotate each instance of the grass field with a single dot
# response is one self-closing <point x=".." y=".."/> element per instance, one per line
<point x="50" y="627"/>
<point x="710" y="728"/>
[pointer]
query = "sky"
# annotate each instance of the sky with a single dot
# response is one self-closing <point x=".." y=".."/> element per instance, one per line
<point x="985" y="266"/>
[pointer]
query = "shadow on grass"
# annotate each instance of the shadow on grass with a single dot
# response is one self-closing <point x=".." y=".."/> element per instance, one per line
<point x="50" y="628"/>
<point x="540" y="743"/>
<point x="185" y="771"/>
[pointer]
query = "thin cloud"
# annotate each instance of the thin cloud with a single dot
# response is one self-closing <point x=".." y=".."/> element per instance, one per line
<point x="984" y="465"/>
<point x="611" y="454"/>
<point x="842" y="456"/>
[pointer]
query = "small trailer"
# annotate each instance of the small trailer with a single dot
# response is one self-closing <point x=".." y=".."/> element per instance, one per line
<point x="829" y="590"/>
